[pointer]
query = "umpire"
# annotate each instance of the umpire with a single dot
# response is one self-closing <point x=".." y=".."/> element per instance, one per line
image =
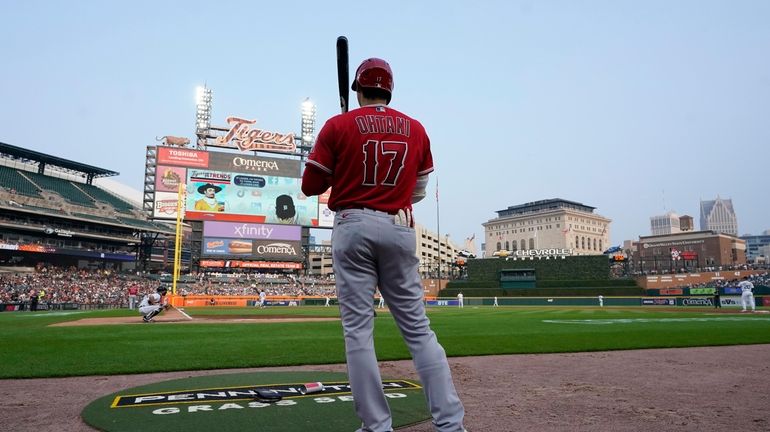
<point x="717" y="301"/>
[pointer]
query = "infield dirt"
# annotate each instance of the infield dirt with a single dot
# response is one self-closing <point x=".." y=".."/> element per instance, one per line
<point x="175" y="316"/>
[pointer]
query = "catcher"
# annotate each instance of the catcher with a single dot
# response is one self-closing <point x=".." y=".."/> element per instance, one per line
<point x="153" y="304"/>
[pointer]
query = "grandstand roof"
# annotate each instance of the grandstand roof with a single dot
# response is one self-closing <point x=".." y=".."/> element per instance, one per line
<point x="66" y="164"/>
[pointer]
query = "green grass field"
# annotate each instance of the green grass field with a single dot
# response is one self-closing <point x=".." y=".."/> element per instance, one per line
<point x="30" y="348"/>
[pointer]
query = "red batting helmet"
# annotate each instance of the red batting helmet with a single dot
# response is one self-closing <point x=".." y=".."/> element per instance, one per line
<point x="374" y="73"/>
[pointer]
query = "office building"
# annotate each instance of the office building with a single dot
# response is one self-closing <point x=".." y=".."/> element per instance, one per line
<point x="665" y="224"/>
<point x="757" y="246"/>
<point x="546" y="224"/>
<point x="719" y="216"/>
<point x="689" y="251"/>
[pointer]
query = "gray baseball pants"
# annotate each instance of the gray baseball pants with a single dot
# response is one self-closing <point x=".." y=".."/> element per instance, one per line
<point x="370" y="250"/>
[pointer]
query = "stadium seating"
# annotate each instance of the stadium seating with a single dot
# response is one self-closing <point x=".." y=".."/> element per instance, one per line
<point x="63" y="187"/>
<point x="143" y="224"/>
<point x="39" y="209"/>
<point x="101" y="195"/>
<point x="96" y="218"/>
<point x="11" y="179"/>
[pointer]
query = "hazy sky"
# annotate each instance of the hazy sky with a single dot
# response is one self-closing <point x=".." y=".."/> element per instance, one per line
<point x="635" y="108"/>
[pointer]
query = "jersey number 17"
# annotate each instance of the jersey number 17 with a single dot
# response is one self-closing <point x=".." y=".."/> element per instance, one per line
<point x="392" y="153"/>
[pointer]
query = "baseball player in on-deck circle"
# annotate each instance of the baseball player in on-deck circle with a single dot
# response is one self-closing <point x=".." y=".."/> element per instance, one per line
<point x="747" y="294"/>
<point x="152" y="304"/>
<point x="377" y="161"/>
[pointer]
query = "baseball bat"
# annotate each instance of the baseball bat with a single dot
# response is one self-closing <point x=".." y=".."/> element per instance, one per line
<point x="343" y="78"/>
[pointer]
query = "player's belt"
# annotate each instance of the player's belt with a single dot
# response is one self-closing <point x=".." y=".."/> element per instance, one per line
<point x="368" y="210"/>
<point x="401" y="217"/>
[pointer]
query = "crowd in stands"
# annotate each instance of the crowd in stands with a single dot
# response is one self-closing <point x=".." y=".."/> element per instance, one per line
<point x="55" y="285"/>
<point x="272" y="284"/>
<point x="664" y="271"/>
<point x="71" y="285"/>
<point x="762" y="279"/>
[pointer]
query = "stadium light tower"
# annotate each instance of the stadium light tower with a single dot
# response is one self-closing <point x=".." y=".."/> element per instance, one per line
<point x="308" y="137"/>
<point x="203" y="114"/>
<point x="308" y="124"/>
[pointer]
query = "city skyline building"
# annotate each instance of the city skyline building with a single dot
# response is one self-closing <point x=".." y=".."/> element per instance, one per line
<point x="757" y="246"/>
<point x="547" y="224"/>
<point x="692" y="251"/>
<point x="718" y="215"/>
<point x="428" y="249"/>
<point x="686" y="223"/>
<point x="665" y="224"/>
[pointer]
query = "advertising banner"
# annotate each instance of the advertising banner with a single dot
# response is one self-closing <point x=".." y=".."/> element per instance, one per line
<point x="281" y="250"/>
<point x="183" y="157"/>
<point x="168" y="178"/>
<point x="251" y="231"/>
<point x="697" y="301"/>
<point x="656" y="301"/>
<point x="702" y="291"/>
<point x="165" y="205"/>
<point x="245" y="188"/>
<point x="442" y="302"/>
<point x="241" y="163"/>
<point x="671" y="291"/>
<point x="245" y="137"/>
<point x="9" y="246"/>
<point x="251" y="264"/>
<point x="730" y="301"/>
<point x="253" y="198"/>
<point x="36" y="248"/>
<point x="732" y="290"/>
<point x="216" y="246"/>
<point x="271" y="265"/>
<point x="10" y="307"/>
<point x="278" y="250"/>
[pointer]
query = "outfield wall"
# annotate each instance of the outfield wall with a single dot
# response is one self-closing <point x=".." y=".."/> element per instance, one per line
<point x="727" y="302"/>
<point x="246" y="301"/>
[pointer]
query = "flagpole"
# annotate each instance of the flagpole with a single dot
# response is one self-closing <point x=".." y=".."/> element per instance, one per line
<point x="438" y="235"/>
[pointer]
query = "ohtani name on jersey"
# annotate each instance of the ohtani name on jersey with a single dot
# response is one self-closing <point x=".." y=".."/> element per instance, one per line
<point x="370" y="124"/>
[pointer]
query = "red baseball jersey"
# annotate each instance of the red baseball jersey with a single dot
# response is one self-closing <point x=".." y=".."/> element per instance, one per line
<point x="373" y="155"/>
